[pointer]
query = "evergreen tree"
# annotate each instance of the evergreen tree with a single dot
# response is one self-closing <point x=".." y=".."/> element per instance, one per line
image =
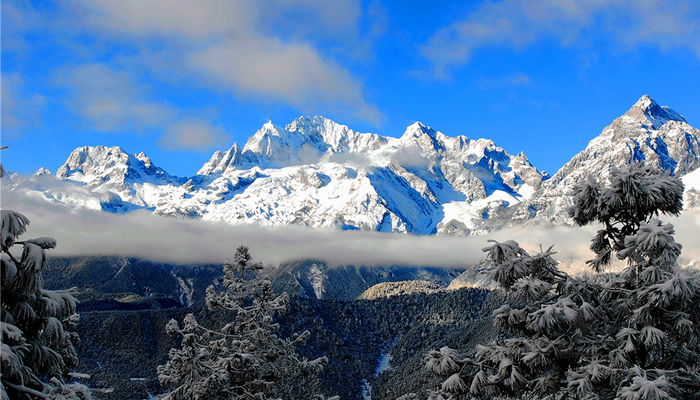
<point x="632" y="336"/>
<point x="245" y="358"/>
<point x="37" y="350"/>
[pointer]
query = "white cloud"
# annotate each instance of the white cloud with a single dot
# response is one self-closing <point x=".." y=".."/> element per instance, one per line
<point x="111" y="99"/>
<point x="292" y="73"/>
<point x="514" y="80"/>
<point x="667" y="24"/>
<point x="318" y="20"/>
<point x="9" y="120"/>
<point x="19" y="111"/>
<point x="410" y="157"/>
<point x="18" y="18"/>
<point x="194" y="134"/>
<point x="256" y="49"/>
<point x="143" y="235"/>
<point x="308" y="19"/>
<point x="151" y="237"/>
<point x="169" y="17"/>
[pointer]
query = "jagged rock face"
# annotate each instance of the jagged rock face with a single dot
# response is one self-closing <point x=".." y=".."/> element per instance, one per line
<point x="221" y="161"/>
<point x="647" y="111"/>
<point x="111" y="177"/>
<point x="317" y="173"/>
<point x="100" y="164"/>
<point x="647" y="133"/>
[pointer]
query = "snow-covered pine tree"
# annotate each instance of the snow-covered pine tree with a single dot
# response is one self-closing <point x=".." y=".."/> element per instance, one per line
<point x="37" y="324"/>
<point x="632" y="336"/>
<point x="244" y="359"/>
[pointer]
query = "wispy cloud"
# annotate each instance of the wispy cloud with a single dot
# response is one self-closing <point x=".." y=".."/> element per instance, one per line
<point x="518" y="79"/>
<point x="667" y="24"/>
<point x="317" y="20"/>
<point x="291" y="73"/>
<point x="194" y="134"/>
<point x="9" y="120"/>
<point x="147" y="236"/>
<point x="244" y="46"/>
<point x="111" y="100"/>
<point x="19" y="111"/>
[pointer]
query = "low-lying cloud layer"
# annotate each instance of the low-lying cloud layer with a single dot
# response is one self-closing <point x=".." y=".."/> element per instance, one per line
<point x="161" y="239"/>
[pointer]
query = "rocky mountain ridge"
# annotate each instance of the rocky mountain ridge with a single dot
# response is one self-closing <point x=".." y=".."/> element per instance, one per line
<point x="318" y="173"/>
<point x="313" y="172"/>
<point x="646" y="133"/>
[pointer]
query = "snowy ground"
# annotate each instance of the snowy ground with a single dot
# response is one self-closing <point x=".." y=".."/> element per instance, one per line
<point x="383" y="365"/>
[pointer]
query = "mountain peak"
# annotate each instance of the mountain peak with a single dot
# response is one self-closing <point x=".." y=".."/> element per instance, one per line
<point x="650" y="112"/>
<point x="422" y="134"/>
<point x="221" y="161"/>
<point x="419" y="129"/>
<point x="307" y="125"/>
<point x="645" y="102"/>
<point x="306" y="120"/>
<point x="269" y="127"/>
<point x="144" y="159"/>
<point x="317" y="127"/>
<point x="97" y="165"/>
<point x="42" y="171"/>
<point x="87" y="157"/>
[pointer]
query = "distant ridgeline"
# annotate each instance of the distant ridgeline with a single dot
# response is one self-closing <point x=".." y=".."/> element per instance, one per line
<point x="131" y="281"/>
<point x="317" y="173"/>
<point x="124" y="313"/>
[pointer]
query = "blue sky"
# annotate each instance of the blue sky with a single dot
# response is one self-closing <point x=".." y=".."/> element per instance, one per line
<point x="180" y="79"/>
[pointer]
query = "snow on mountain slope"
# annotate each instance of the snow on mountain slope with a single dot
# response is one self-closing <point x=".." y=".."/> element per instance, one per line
<point x="647" y="133"/>
<point x="318" y="173"/>
<point x="98" y="165"/>
<point x="98" y="178"/>
<point x="313" y="172"/>
<point x="304" y="141"/>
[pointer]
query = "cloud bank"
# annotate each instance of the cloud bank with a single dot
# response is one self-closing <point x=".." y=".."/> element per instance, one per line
<point x="161" y="239"/>
<point x="243" y="45"/>
<point x="623" y="24"/>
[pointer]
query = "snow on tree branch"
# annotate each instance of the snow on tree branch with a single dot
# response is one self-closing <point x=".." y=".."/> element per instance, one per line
<point x="37" y="324"/>
<point x="244" y="359"/>
<point x="629" y="337"/>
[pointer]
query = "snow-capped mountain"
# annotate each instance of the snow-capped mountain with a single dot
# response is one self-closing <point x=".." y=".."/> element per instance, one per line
<point x="103" y="178"/>
<point x="313" y="172"/>
<point x="647" y="133"/>
<point x="318" y="173"/>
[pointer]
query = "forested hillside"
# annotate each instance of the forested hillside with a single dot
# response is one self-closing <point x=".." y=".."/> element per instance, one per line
<point x="120" y="349"/>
